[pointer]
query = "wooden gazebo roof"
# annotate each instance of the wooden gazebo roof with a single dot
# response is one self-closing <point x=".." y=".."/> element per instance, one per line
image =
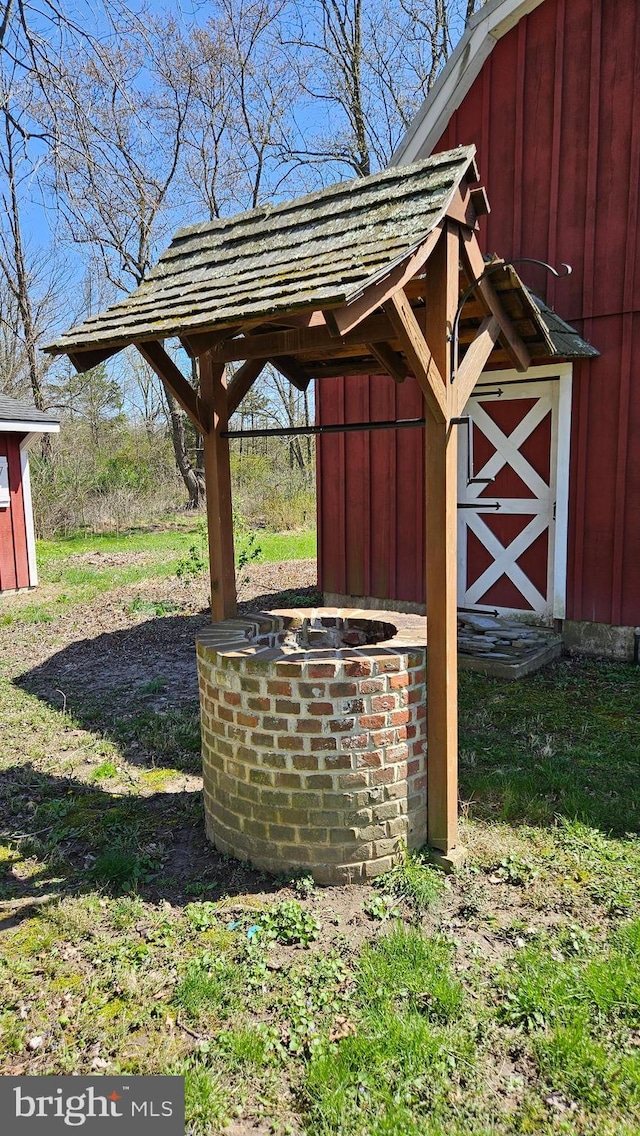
<point x="323" y="253"/>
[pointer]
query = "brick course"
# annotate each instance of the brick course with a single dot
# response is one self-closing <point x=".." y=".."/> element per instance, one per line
<point x="304" y="749"/>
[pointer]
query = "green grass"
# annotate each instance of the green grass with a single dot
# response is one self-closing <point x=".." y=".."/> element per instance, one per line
<point x="503" y="1001"/>
<point x="394" y="1073"/>
<point x="155" y="555"/>
<point x="287" y="546"/>
<point x="171" y="545"/>
<point x="563" y="742"/>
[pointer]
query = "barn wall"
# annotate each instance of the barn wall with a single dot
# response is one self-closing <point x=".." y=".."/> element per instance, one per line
<point x="554" y="120"/>
<point x="14" y="563"/>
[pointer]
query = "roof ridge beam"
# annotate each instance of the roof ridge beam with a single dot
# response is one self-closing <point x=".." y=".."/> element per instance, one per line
<point x="461" y="208"/>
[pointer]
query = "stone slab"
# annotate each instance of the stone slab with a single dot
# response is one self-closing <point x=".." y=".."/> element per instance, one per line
<point x="526" y="662"/>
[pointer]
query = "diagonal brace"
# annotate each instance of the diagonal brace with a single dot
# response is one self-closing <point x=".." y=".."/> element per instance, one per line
<point x="418" y="355"/>
<point x="176" y="384"/>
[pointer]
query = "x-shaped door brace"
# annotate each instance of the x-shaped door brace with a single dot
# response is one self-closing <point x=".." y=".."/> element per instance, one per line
<point x="508" y="452"/>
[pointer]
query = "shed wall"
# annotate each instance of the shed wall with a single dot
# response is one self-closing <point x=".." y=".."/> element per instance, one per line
<point x="14" y="562"/>
<point x="552" y="116"/>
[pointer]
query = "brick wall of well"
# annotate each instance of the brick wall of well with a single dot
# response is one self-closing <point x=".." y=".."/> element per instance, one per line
<point x="315" y="759"/>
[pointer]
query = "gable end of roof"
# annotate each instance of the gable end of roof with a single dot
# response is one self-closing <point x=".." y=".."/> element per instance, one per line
<point x="485" y="28"/>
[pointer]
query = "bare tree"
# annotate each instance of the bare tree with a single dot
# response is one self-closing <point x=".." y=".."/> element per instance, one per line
<point x="30" y="281"/>
<point x="119" y="124"/>
<point x="369" y="66"/>
<point x="243" y="95"/>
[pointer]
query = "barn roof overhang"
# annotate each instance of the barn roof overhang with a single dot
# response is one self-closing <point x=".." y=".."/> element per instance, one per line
<point x="483" y="31"/>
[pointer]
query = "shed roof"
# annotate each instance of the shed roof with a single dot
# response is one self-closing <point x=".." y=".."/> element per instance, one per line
<point x="15" y="415"/>
<point x="319" y="251"/>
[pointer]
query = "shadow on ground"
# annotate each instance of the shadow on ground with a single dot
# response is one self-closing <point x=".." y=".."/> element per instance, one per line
<point x="135" y="688"/>
<point x="138" y="686"/>
<point x="67" y="837"/>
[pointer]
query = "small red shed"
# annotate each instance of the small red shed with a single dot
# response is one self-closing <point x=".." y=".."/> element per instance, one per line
<point x="547" y="91"/>
<point x="19" y="425"/>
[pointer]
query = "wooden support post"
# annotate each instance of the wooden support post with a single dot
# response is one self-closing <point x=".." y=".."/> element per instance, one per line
<point x="213" y="391"/>
<point x="441" y="561"/>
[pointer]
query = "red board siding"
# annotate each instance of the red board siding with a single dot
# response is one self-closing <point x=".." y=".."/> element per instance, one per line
<point x="553" y="115"/>
<point x="14" y="563"/>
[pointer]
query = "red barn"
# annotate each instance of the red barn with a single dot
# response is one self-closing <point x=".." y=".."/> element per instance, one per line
<point x="19" y="425"/>
<point x="549" y="475"/>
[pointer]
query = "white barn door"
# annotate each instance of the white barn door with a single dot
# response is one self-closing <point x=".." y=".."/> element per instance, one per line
<point x="512" y="494"/>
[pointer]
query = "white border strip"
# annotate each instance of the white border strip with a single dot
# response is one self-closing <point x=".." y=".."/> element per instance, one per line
<point x="563" y="372"/>
<point x="562" y="491"/>
<point x="9" y="427"/>
<point x="28" y="511"/>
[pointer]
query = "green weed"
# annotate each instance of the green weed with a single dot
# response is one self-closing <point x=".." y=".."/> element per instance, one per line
<point x="381" y="907"/>
<point x="202" y="916"/>
<point x="120" y="869"/>
<point x="415" y="881"/>
<point x="288" y="922"/>
<point x="105" y="770"/>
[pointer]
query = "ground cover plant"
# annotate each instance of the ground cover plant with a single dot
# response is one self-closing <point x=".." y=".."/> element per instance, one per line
<point x="503" y="1000"/>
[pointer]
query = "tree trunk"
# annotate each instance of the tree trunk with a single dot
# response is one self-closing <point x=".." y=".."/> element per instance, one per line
<point x="194" y="483"/>
<point x="20" y="284"/>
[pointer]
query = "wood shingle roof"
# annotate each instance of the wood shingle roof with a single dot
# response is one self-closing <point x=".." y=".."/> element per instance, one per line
<point x="319" y="251"/>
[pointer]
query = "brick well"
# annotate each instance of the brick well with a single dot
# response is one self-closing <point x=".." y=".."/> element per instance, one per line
<point x="314" y="740"/>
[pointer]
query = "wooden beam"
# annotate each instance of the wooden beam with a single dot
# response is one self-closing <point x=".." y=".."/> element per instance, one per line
<point x="217" y="473"/>
<point x="419" y="357"/>
<point x="340" y="368"/>
<point x="175" y="382"/>
<point x="474" y="266"/>
<point x="242" y="382"/>
<point x="197" y="343"/>
<point x="473" y="363"/>
<point x="480" y="201"/>
<point x="297" y="341"/>
<point x="473" y="173"/>
<point x="292" y="371"/>
<point x="441" y="493"/>
<point x="343" y="320"/>
<point x="441" y="469"/>
<point x="461" y="208"/>
<point x="304" y="319"/>
<point x="388" y="358"/>
<point x="85" y="360"/>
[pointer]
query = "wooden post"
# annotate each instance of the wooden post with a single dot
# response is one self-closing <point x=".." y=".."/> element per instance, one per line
<point x="217" y="472"/>
<point x="442" y="285"/>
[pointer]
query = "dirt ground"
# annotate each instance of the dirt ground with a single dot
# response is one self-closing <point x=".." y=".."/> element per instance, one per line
<point x="123" y="667"/>
<point x="100" y="798"/>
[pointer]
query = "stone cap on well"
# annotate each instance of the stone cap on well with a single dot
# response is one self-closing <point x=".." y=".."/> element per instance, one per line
<point x="259" y="637"/>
